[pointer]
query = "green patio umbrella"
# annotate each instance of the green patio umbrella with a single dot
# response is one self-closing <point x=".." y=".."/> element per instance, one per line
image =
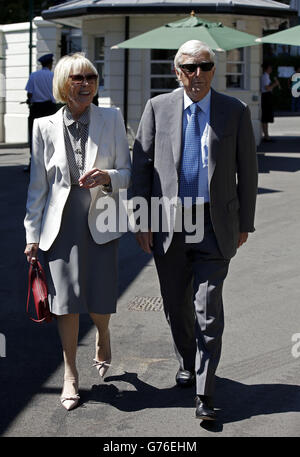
<point x="173" y="35"/>
<point x="289" y="36"/>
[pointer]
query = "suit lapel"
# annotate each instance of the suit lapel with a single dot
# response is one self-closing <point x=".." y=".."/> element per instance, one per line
<point x="217" y="122"/>
<point x="97" y="122"/>
<point x="175" y="111"/>
<point x="58" y="140"/>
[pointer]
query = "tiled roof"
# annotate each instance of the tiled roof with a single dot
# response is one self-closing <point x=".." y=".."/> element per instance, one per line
<point x="84" y="7"/>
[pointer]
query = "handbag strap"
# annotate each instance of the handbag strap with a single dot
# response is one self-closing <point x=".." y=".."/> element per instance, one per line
<point x="29" y="286"/>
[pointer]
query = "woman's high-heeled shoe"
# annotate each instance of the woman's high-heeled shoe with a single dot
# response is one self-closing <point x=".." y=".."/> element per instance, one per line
<point x="70" y="401"/>
<point x="103" y="366"/>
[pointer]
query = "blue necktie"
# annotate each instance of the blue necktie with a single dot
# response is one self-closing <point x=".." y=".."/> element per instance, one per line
<point x="189" y="174"/>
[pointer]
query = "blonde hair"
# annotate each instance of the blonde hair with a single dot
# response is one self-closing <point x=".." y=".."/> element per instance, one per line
<point x="67" y="65"/>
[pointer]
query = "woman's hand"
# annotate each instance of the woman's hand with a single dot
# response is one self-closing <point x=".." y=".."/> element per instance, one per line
<point x="31" y="251"/>
<point x="94" y="178"/>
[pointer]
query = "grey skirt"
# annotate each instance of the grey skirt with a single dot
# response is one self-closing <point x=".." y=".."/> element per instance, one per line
<point x="81" y="274"/>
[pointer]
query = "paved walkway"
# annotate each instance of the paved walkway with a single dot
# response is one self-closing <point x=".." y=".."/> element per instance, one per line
<point x="258" y="391"/>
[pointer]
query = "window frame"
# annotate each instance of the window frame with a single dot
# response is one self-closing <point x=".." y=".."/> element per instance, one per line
<point x="244" y="73"/>
<point x="100" y="61"/>
<point x="153" y="92"/>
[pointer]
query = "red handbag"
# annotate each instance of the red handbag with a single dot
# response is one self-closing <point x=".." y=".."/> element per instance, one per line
<point x="38" y="285"/>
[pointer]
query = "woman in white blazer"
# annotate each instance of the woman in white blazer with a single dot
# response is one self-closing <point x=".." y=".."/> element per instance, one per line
<point x="80" y="160"/>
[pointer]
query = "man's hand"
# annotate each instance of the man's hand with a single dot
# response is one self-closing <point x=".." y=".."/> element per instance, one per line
<point x="145" y="240"/>
<point x="243" y="236"/>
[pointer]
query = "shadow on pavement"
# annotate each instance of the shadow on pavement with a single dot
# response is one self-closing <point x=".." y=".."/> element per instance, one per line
<point x="277" y="163"/>
<point x="264" y="190"/>
<point x="234" y="400"/>
<point x="239" y="401"/>
<point x="143" y="397"/>
<point x="33" y="350"/>
<point x="281" y="144"/>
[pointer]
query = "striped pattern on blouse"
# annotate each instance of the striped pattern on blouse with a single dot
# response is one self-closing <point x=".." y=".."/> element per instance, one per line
<point x="76" y="136"/>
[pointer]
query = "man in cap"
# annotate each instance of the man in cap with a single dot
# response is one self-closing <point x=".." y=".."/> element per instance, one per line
<point x="39" y="94"/>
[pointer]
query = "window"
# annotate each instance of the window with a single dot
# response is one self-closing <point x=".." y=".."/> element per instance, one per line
<point x="236" y="69"/>
<point x="99" y="59"/>
<point x="163" y="78"/>
<point x="70" y="41"/>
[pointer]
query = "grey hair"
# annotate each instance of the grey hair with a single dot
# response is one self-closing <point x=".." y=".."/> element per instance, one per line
<point x="192" y="48"/>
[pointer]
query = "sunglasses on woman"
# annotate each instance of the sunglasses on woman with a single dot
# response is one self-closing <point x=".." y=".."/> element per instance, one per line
<point x="78" y="79"/>
<point x="192" y="67"/>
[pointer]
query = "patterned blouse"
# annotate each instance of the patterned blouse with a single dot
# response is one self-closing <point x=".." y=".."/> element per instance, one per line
<point x="76" y="136"/>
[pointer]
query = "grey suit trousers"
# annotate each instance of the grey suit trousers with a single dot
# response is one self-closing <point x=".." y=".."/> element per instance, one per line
<point x="191" y="279"/>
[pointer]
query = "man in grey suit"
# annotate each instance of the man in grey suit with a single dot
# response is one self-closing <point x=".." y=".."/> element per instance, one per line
<point x="195" y="142"/>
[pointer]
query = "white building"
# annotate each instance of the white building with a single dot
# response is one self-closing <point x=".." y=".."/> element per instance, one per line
<point x="129" y="78"/>
<point x="14" y="72"/>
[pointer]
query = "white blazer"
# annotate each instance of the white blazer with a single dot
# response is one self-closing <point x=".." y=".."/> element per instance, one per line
<point x="50" y="184"/>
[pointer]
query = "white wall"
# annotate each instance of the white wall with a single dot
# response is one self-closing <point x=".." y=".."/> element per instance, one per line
<point x="48" y="37"/>
<point x="16" y="54"/>
<point x="15" y="50"/>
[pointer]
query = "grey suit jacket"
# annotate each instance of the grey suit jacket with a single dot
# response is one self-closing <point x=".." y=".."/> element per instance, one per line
<point x="232" y="164"/>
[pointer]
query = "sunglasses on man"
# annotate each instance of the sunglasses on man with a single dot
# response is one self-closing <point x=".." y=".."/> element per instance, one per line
<point x="192" y="67"/>
<point x="78" y="79"/>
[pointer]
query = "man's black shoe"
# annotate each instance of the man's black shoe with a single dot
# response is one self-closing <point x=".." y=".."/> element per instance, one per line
<point x="185" y="378"/>
<point x="204" y="408"/>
